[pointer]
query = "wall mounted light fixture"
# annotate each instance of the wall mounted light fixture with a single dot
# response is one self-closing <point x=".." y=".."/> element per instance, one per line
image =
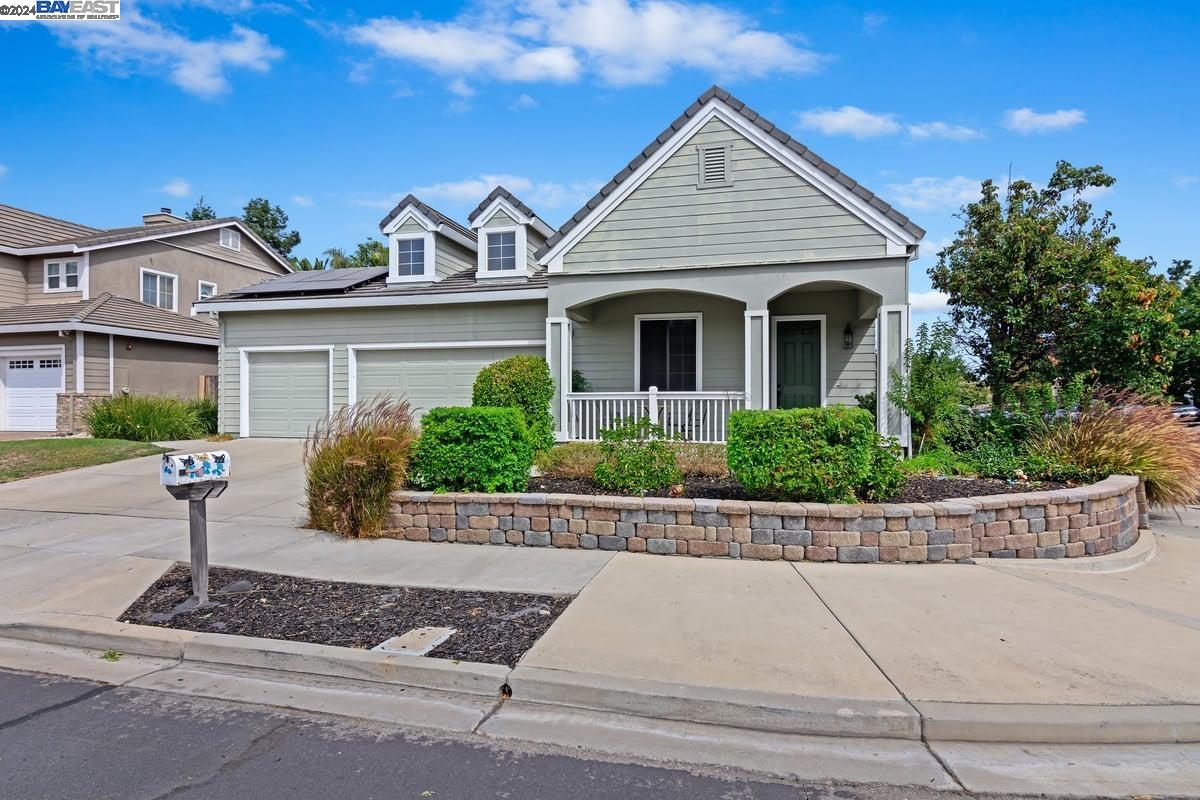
<point x="848" y="337"/>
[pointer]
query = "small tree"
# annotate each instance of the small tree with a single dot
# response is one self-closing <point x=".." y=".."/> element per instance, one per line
<point x="201" y="210"/>
<point x="270" y="222"/>
<point x="934" y="385"/>
<point x="1185" y="372"/>
<point x="371" y="253"/>
<point x="524" y="382"/>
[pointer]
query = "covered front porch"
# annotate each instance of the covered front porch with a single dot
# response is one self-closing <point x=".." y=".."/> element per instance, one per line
<point x="688" y="350"/>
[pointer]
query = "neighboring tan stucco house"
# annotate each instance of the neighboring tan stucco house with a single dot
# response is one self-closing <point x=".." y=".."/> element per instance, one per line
<point x="87" y="312"/>
<point x="727" y="266"/>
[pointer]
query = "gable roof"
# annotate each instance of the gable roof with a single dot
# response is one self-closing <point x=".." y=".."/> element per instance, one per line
<point x="767" y="127"/>
<point x="109" y="311"/>
<point x="20" y="228"/>
<point x="433" y="214"/>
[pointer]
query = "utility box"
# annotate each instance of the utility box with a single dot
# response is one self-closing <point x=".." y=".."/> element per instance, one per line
<point x="182" y="470"/>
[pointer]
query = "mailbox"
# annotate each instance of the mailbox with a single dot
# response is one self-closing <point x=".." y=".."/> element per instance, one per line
<point x="182" y="470"/>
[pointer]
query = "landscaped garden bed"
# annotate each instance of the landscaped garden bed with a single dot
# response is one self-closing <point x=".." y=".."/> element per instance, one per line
<point x="491" y="627"/>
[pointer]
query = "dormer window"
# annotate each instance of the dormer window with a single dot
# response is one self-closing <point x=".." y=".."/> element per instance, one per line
<point x="410" y="257"/>
<point x="713" y="166"/>
<point x="231" y="239"/>
<point x="502" y="251"/>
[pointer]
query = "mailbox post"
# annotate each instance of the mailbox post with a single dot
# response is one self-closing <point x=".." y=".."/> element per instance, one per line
<point x="197" y="477"/>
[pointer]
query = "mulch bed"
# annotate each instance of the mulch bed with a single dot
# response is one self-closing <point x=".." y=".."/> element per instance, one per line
<point x="493" y="627"/>
<point x="917" y="489"/>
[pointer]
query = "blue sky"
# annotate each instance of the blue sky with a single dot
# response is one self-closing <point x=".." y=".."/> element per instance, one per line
<point x="334" y="112"/>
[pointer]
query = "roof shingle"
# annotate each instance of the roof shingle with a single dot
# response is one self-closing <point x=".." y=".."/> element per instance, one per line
<point x="429" y="211"/>
<point x="21" y="228"/>
<point x="110" y="310"/>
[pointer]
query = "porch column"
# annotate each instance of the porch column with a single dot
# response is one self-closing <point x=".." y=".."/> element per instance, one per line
<point x="758" y="359"/>
<point x="558" y="356"/>
<point x="892" y="327"/>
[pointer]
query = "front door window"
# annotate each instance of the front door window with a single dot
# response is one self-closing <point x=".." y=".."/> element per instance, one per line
<point x="798" y="364"/>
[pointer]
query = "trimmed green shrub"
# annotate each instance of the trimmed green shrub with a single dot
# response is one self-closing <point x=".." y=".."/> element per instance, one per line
<point x="522" y="382"/>
<point x="477" y="449"/>
<point x="815" y="454"/>
<point x="206" y="414"/>
<point x="636" y="457"/>
<point x="885" y="478"/>
<point x="353" y="461"/>
<point x="143" y="418"/>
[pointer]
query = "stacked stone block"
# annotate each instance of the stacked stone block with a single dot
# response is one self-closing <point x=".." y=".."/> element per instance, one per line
<point x="1067" y="523"/>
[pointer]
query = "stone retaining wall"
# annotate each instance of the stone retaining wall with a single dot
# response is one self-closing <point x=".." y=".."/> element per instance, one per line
<point x="1065" y="523"/>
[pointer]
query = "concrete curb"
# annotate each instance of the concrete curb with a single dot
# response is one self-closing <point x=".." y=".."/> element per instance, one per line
<point x="1140" y="552"/>
<point x="1059" y="724"/>
<point x="763" y="711"/>
<point x="326" y="661"/>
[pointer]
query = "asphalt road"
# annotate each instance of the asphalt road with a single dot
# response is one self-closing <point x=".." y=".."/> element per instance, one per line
<point x="64" y="739"/>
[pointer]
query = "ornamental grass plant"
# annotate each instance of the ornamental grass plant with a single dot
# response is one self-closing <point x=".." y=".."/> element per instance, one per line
<point x="144" y="418"/>
<point x="353" y="461"/>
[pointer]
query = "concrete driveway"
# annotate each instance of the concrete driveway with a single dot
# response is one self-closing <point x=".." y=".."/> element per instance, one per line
<point x="267" y="487"/>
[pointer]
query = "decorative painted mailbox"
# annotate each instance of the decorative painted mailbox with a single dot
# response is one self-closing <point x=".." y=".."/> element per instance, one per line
<point x="194" y="468"/>
<point x="196" y="477"/>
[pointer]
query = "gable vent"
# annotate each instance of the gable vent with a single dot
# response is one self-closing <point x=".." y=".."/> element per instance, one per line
<point x="713" y="165"/>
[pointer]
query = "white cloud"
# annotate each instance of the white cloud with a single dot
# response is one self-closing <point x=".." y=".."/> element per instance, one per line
<point x="522" y="102"/>
<point x="139" y="44"/>
<point x="302" y="200"/>
<point x="849" y="121"/>
<point x="932" y="301"/>
<point x="872" y="21"/>
<point x="934" y="194"/>
<point x="624" y="42"/>
<point x="3" y="171"/>
<point x="1181" y="181"/>
<point x="1094" y="193"/>
<point x="542" y="196"/>
<point x="461" y="88"/>
<point x="943" y="130"/>
<point x="176" y="187"/>
<point x="1026" y="120"/>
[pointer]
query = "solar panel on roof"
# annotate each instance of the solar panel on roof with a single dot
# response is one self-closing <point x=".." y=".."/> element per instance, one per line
<point x="322" y="281"/>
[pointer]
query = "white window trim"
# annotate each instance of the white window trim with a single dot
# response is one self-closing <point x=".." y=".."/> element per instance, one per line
<point x="394" y="258"/>
<point x="80" y="275"/>
<point x="521" y="247"/>
<point x="637" y="345"/>
<point x="883" y="376"/>
<point x="142" y="271"/>
<point x="236" y="237"/>
<point x="700" y="148"/>
<point x="199" y="297"/>
<point x="244" y="354"/>
<point x="352" y="354"/>
<point x="774" y="385"/>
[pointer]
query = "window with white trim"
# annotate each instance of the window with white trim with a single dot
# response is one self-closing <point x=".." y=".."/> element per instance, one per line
<point x="205" y="290"/>
<point x="50" y="363"/>
<point x="410" y="256"/>
<point x="158" y="289"/>
<point x="713" y="166"/>
<point x="668" y="354"/>
<point x="502" y="251"/>
<point x="231" y="238"/>
<point x="61" y="276"/>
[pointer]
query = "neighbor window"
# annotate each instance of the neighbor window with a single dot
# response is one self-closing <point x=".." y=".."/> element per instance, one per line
<point x="62" y="276"/>
<point x="667" y="354"/>
<point x="502" y="251"/>
<point x="410" y="256"/>
<point x="206" y="290"/>
<point x="158" y="289"/>
<point x="231" y="239"/>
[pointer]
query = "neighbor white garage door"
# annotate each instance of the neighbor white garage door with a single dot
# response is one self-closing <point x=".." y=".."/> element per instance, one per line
<point x="31" y="387"/>
<point x="428" y="378"/>
<point x="289" y="392"/>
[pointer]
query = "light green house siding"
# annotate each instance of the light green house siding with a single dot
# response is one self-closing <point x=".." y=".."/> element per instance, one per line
<point x="450" y="257"/>
<point x="463" y="322"/>
<point x="410" y="227"/>
<point x="768" y="214"/>
<point x="847" y="372"/>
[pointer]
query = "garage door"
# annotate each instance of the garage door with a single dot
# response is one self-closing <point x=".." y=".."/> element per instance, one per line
<point x="31" y="387"/>
<point x="428" y="378"/>
<point x="288" y="392"/>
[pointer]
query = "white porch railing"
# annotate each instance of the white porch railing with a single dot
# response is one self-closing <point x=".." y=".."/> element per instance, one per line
<point x="694" y="416"/>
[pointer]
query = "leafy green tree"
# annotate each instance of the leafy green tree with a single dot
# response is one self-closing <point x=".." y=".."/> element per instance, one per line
<point x="370" y="253"/>
<point x="1128" y="335"/>
<point x="270" y="222"/>
<point x="1185" y="374"/>
<point x="201" y="210"/>
<point x="308" y="265"/>
<point x="1020" y="266"/>
<point x="935" y="384"/>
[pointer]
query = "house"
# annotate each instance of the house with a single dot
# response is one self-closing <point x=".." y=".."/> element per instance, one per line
<point x="727" y="266"/>
<point x="88" y="312"/>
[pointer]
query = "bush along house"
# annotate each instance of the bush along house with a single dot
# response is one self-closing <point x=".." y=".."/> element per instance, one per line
<point x="726" y="266"/>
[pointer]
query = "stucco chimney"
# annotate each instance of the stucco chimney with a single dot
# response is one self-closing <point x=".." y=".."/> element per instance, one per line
<point x="161" y="217"/>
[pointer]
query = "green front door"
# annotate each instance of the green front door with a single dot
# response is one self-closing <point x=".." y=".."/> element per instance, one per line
<point x="798" y="365"/>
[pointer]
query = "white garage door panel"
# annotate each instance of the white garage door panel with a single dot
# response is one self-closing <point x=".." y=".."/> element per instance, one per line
<point x="428" y="378"/>
<point x="31" y="387"/>
<point x="289" y="392"/>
